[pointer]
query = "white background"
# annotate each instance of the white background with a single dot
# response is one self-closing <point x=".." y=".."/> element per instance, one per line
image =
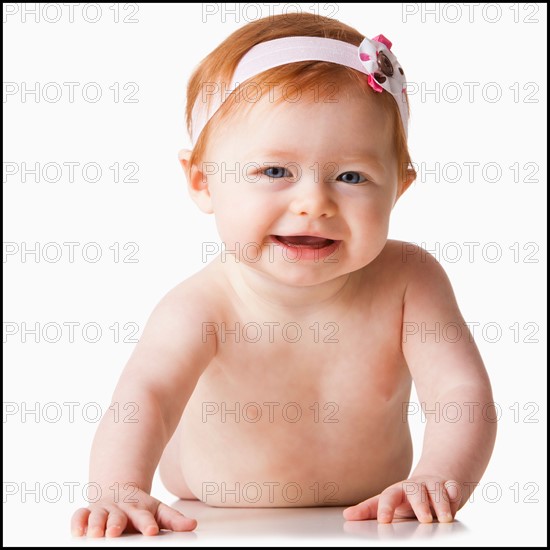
<point x="502" y="49"/>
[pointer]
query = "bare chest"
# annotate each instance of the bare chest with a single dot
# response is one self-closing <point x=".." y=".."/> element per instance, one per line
<point x="313" y="362"/>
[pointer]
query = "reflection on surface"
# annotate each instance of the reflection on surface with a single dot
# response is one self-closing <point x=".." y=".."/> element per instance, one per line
<point x="402" y="529"/>
<point x="303" y="522"/>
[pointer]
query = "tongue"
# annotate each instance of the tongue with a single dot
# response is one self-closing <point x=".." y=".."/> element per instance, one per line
<point x="305" y="241"/>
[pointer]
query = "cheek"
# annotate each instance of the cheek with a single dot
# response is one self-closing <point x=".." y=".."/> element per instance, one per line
<point x="372" y="218"/>
<point x="239" y="217"/>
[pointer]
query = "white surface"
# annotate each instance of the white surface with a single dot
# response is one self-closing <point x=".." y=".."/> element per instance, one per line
<point x="158" y="53"/>
<point x="479" y="523"/>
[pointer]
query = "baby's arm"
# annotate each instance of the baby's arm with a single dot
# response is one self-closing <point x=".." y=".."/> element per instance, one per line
<point x="157" y="383"/>
<point x="454" y="389"/>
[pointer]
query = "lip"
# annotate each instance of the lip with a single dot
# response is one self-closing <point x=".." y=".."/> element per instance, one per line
<point x="296" y="253"/>
<point x="305" y="234"/>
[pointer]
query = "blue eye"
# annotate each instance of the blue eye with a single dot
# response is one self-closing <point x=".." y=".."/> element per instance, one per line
<point x="277" y="172"/>
<point x="351" y="177"/>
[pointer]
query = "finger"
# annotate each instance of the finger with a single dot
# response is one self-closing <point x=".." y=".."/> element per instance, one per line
<point x="454" y="493"/>
<point x="418" y="498"/>
<point x="79" y="521"/>
<point x="143" y="521"/>
<point x="440" y="501"/>
<point x="364" y="510"/>
<point x="96" y="522"/>
<point x="390" y="499"/>
<point x="169" y="518"/>
<point x="116" y="523"/>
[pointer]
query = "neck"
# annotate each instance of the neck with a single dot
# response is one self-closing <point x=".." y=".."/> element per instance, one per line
<point x="253" y="286"/>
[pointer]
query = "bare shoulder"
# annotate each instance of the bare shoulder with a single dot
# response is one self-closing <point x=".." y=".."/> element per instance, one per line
<point x="409" y="255"/>
<point x="177" y="322"/>
<point x="413" y="260"/>
<point x="172" y="340"/>
<point x="200" y="296"/>
<point x="418" y="271"/>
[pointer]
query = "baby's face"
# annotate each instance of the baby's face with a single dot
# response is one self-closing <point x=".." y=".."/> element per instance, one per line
<point x="290" y="171"/>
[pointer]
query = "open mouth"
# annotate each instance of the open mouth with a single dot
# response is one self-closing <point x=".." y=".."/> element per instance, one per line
<point x="304" y="241"/>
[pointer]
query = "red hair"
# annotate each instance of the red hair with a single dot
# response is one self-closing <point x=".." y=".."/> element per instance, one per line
<point x="218" y="68"/>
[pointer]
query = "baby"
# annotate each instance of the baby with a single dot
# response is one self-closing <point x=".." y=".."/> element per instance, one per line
<point x="280" y="374"/>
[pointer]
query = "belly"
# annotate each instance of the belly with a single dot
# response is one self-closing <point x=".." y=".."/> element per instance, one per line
<point x="297" y="452"/>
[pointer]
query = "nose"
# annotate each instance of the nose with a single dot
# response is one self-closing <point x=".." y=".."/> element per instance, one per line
<point x="312" y="198"/>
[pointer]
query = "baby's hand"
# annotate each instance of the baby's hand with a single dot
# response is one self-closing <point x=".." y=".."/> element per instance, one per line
<point x="418" y="496"/>
<point x="133" y="510"/>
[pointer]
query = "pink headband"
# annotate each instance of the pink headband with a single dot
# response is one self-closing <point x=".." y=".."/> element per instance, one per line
<point x="372" y="57"/>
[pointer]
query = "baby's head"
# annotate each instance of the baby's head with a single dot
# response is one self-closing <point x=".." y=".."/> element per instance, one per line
<point x="307" y="148"/>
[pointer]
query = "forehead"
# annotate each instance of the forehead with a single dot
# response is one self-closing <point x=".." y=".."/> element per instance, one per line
<point x="348" y="121"/>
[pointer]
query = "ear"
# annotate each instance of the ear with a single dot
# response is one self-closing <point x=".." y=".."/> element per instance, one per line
<point x="409" y="177"/>
<point x="196" y="183"/>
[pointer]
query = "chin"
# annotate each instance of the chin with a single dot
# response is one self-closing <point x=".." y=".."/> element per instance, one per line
<point x="303" y="275"/>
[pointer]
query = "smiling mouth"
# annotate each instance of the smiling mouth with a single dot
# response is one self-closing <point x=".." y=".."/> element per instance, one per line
<point x="304" y="241"/>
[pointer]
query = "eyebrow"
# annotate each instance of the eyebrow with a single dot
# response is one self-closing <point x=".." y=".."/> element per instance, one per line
<point x="357" y="156"/>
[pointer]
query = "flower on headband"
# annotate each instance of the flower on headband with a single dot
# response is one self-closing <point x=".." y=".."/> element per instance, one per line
<point x="385" y="72"/>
